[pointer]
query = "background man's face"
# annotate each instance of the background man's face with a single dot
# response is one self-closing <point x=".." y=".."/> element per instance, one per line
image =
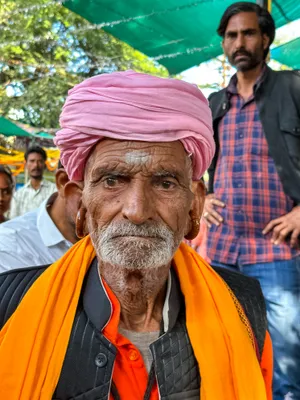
<point x="138" y="196"/>
<point x="5" y="193"/>
<point x="243" y="43"/>
<point x="35" y="165"/>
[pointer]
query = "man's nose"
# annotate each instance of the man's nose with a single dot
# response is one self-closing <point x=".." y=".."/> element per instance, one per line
<point x="138" y="205"/>
<point x="240" y="42"/>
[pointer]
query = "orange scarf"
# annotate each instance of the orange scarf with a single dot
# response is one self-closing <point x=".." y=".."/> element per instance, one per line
<point x="34" y="340"/>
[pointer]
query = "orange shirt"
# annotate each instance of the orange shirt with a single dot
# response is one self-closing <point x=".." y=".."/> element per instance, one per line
<point x="129" y="375"/>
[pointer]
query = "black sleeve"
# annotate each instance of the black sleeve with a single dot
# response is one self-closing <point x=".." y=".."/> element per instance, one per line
<point x="13" y="286"/>
<point x="212" y="98"/>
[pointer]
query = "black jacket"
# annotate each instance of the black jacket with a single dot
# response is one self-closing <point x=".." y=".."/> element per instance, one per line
<point x="88" y="366"/>
<point x="278" y="102"/>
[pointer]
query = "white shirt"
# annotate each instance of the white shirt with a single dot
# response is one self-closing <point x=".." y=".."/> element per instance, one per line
<point x="27" y="198"/>
<point x="30" y="240"/>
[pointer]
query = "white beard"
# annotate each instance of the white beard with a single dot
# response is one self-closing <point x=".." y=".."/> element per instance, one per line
<point x="135" y="247"/>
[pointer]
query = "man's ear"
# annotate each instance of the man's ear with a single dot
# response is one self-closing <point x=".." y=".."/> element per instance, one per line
<point x="193" y="225"/>
<point x="266" y="41"/>
<point x="61" y="179"/>
<point x="72" y="193"/>
<point x="199" y="190"/>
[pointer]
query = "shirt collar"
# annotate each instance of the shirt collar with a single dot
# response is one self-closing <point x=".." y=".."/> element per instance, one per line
<point x="43" y="183"/>
<point x="232" y="87"/>
<point x="50" y="235"/>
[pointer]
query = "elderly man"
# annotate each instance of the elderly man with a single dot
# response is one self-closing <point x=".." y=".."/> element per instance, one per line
<point x="129" y="312"/>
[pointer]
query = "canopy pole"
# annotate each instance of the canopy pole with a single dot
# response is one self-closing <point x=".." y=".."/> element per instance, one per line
<point x="265" y="4"/>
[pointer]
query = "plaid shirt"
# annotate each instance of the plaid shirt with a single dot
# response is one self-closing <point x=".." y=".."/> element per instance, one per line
<point x="246" y="180"/>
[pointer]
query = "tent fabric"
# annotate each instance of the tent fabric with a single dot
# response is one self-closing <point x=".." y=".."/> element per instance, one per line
<point x="43" y="135"/>
<point x="8" y="128"/>
<point x="176" y="33"/>
<point x="288" y="53"/>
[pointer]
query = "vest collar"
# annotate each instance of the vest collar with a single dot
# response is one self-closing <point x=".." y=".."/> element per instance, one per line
<point x="98" y="307"/>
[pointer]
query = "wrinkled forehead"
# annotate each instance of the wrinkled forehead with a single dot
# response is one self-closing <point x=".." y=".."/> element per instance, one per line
<point x="137" y="154"/>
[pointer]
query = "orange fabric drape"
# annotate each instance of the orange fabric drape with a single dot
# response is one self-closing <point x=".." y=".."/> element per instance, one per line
<point x="34" y="340"/>
<point x="227" y="358"/>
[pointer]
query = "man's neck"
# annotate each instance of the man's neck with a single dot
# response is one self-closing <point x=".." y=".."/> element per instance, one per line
<point x="58" y="215"/>
<point x="141" y="294"/>
<point x="36" y="182"/>
<point x="246" y="80"/>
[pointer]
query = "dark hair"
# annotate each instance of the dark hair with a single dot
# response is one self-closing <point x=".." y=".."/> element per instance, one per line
<point x="4" y="169"/>
<point x="36" y="149"/>
<point x="59" y="165"/>
<point x="265" y="19"/>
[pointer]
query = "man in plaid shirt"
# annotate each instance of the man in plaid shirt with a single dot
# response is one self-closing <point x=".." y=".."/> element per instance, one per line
<point x="251" y="211"/>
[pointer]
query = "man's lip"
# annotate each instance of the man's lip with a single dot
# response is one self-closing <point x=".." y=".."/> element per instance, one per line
<point x="134" y="236"/>
<point x="241" y="55"/>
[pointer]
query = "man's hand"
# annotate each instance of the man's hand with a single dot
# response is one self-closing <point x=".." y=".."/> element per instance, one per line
<point x="288" y="224"/>
<point x="210" y="214"/>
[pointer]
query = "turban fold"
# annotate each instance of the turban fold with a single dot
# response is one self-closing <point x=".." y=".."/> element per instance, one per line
<point x="134" y="106"/>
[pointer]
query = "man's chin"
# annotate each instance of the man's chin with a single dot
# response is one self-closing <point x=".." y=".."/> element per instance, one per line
<point x="36" y="176"/>
<point x="244" y="64"/>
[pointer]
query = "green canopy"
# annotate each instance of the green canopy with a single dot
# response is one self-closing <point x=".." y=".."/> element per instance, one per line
<point x="288" y="53"/>
<point x="177" y="33"/>
<point x="8" y="128"/>
<point x="43" y="135"/>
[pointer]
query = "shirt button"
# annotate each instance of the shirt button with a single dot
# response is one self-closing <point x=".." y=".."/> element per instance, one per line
<point x="241" y="135"/>
<point x="133" y="355"/>
<point x="101" y="360"/>
<point x="239" y="185"/>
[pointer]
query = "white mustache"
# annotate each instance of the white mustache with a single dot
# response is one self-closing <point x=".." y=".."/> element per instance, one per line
<point x="121" y="229"/>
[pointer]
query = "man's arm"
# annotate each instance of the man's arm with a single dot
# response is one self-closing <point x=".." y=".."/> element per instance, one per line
<point x="282" y="227"/>
<point x="11" y="260"/>
<point x="210" y="214"/>
<point x="295" y="88"/>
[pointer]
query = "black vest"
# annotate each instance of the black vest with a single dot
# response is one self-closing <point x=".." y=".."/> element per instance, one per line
<point x="88" y="365"/>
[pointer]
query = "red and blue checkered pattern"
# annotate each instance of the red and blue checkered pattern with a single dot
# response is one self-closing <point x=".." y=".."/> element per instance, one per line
<point x="246" y="180"/>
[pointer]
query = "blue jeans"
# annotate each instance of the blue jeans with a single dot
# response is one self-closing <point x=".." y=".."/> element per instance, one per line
<point x="280" y="283"/>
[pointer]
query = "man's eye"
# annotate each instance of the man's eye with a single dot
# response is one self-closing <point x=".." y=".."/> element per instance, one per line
<point x="231" y="36"/>
<point x="5" y="192"/>
<point x="166" y="184"/>
<point x="111" y="182"/>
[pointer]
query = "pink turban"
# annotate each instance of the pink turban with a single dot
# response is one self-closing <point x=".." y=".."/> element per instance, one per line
<point x="133" y="106"/>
